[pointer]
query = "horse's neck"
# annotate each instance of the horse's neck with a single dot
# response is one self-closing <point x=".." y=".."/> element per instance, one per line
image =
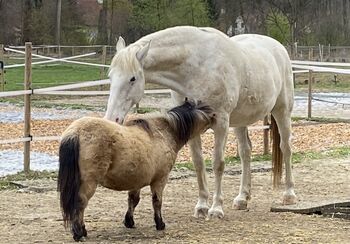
<point x="165" y="62"/>
<point x="163" y="67"/>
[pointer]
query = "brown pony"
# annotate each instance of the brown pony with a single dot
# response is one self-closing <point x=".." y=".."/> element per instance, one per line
<point x="124" y="158"/>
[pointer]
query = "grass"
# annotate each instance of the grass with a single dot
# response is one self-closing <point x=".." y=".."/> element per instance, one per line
<point x="6" y="181"/>
<point x="51" y="75"/>
<point x="321" y="120"/>
<point x="298" y="157"/>
<point x="323" y="83"/>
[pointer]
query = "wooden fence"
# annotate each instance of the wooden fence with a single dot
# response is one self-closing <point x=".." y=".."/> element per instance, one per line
<point x="302" y="67"/>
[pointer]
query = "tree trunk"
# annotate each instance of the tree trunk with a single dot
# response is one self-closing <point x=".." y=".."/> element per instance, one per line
<point x="27" y="20"/>
<point x="102" y="36"/>
<point x="58" y="22"/>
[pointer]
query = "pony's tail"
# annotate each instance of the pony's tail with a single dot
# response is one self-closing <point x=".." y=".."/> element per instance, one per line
<point x="68" y="182"/>
<point x="277" y="156"/>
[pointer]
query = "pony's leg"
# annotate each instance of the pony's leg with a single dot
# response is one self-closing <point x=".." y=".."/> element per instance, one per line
<point x="133" y="200"/>
<point x="221" y="129"/>
<point x="202" y="207"/>
<point x="283" y="120"/>
<point x="157" y="194"/>
<point x="87" y="190"/>
<point x="244" y="149"/>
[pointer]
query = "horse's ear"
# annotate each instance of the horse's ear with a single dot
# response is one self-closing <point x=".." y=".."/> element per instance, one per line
<point x="120" y="44"/>
<point x="142" y="53"/>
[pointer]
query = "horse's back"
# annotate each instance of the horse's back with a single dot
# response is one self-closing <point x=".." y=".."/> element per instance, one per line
<point x="263" y="44"/>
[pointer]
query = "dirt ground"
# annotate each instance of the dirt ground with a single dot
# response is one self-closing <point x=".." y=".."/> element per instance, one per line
<point x="31" y="217"/>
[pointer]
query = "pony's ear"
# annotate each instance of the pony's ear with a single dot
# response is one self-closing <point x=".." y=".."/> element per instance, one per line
<point x="142" y="53"/>
<point x="120" y="44"/>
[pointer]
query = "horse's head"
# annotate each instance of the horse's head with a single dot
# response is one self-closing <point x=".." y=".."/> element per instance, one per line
<point x="127" y="79"/>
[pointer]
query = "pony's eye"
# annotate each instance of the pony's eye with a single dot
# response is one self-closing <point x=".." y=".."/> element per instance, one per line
<point x="132" y="79"/>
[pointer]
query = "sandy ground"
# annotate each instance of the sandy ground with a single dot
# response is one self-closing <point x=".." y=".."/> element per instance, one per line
<point x="30" y="217"/>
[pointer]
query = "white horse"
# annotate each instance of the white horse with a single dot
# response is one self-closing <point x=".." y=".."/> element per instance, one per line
<point x="243" y="79"/>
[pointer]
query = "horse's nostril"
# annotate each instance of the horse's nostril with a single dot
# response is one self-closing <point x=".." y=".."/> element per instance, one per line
<point x="116" y="120"/>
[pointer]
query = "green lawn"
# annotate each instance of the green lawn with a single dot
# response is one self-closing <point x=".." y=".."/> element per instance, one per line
<point x="51" y="75"/>
<point x="57" y="74"/>
<point x="323" y="82"/>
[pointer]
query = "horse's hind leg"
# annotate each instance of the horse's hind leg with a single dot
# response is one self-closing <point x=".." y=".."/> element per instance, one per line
<point x="201" y="209"/>
<point x="283" y="120"/>
<point x="244" y="149"/>
<point x="133" y="200"/>
<point x="157" y="194"/>
<point x="87" y="190"/>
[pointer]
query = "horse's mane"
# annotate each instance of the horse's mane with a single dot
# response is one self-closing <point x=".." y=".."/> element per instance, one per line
<point x="183" y="119"/>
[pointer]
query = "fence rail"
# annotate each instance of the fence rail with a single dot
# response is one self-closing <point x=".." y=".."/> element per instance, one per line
<point x="298" y="65"/>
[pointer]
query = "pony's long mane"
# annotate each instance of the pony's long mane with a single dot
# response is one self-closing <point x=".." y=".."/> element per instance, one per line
<point x="183" y="119"/>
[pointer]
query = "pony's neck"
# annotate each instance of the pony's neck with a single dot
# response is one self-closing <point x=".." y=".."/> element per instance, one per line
<point x="166" y="133"/>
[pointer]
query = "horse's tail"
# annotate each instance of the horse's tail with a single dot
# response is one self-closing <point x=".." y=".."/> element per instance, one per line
<point x="68" y="182"/>
<point x="277" y="156"/>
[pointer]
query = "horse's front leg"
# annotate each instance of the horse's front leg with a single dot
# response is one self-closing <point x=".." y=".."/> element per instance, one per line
<point x="221" y="129"/>
<point x="133" y="200"/>
<point x="157" y="194"/>
<point x="202" y="207"/>
<point x="244" y="149"/>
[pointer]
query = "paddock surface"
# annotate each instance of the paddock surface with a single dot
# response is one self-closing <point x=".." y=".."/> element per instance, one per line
<point x="32" y="217"/>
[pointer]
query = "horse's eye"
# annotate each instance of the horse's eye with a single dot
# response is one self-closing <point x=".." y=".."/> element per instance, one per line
<point x="132" y="79"/>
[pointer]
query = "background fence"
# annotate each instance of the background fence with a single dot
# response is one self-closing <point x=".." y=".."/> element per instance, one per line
<point x="34" y="56"/>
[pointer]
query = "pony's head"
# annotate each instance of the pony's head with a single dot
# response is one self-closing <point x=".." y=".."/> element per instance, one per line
<point x="127" y="79"/>
<point x="189" y="120"/>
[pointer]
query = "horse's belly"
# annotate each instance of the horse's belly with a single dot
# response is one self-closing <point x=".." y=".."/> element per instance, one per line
<point x="249" y="114"/>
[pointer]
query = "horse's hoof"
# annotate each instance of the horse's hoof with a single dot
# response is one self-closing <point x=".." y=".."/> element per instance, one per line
<point x="216" y="212"/>
<point x="201" y="212"/>
<point x="160" y="226"/>
<point x="240" y="204"/>
<point x="289" y="198"/>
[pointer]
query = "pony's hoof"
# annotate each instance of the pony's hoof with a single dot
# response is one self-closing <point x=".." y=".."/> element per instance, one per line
<point x="84" y="231"/>
<point x="79" y="232"/>
<point x="240" y="204"/>
<point x="129" y="222"/>
<point x="289" y="198"/>
<point x="216" y="212"/>
<point x="201" y="212"/>
<point x="160" y="226"/>
<point x="78" y="238"/>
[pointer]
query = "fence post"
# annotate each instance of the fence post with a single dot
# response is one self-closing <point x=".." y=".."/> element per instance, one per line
<point x="27" y="105"/>
<point x="2" y="68"/>
<point x="104" y="60"/>
<point x="266" y="136"/>
<point x="309" y="104"/>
